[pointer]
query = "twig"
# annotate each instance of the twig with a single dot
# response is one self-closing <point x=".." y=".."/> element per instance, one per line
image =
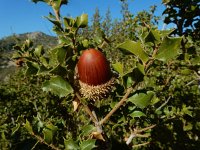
<point x="144" y="129"/>
<point x="121" y="102"/>
<point x="41" y="140"/>
<point x="159" y="108"/>
<point x="87" y="110"/>
<point x="139" y="145"/>
<point x="136" y="133"/>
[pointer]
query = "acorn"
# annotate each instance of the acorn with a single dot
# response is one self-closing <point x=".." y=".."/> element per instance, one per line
<point x="95" y="76"/>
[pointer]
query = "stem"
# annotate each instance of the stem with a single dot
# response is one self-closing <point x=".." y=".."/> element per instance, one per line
<point x="41" y="140"/>
<point x="136" y="133"/>
<point x="121" y="102"/>
<point x="87" y="109"/>
<point x="57" y="13"/>
<point x="139" y="145"/>
<point x="159" y="108"/>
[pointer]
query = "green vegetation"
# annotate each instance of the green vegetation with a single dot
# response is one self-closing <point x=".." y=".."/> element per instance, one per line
<point x="154" y="104"/>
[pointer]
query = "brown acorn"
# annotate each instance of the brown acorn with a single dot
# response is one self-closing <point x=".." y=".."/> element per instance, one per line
<point x="95" y="76"/>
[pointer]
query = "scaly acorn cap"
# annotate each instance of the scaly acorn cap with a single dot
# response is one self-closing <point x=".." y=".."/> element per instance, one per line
<point x="95" y="76"/>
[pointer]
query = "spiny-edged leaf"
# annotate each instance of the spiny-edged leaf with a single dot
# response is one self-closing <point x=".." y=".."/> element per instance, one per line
<point x="49" y="132"/>
<point x="137" y="114"/>
<point x="15" y="129"/>
<point x="43" y="70"/>
<point x="57" y="56"/>
<point x="59" y="70"/>
<point x="86" y="130"/>
<point x="39" y="50"/>
<point x="135" y="48"/>
<point x="82" y="21"/>
<point x="153" y="36"/>
<point x="140" y="68"/>
<point x="88" y="144"/>
<point x="68" y="22"/>
<point x="119" y="68"/>
<point x="48" y="135"/>
<point x="165" y="33"/>
<point x="28" y="127"/>
<point x="32" y="68"/>
<point x="71" y="145"/>
<point x="142" y="100"/>
<point x="169" y="49"/>
<point x="44" y="61"/>
<point x="61" y="55"/>
<point x="58" y="86"/>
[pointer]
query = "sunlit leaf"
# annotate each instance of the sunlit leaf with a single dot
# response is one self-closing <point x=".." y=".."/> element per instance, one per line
<point x="58" y="86"/>
<point x="82" y="21"/>
<point x="70" y="145"/>
<point x="136" y="49"/>
<point x="28" y="127"/>
<point x="88" y="144"/>
<point x="142" y="100"/>
<point x="119" y="68"/>
<point x="169" y="49"/>
<point x="86" y="130"/>
<point x="137" y="114"/>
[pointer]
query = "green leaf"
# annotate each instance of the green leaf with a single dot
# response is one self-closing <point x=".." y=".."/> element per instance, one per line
<point x="88" y="144"/>
<point x="86" y="130"/>
<point x="136" y="49"/>
<point x="119" y="68"/>
<point x="32" y="68"/>
<point x="137" y="114"/>
<point x="15" y="129"/>
<point x="142" y="100"/>
<point x="153" y="36"/>
<point x="58" y="86"/>
<point x="82" y="21"/>
<point x="169" y="49"/>
<point x="49" y="132"/>
<point x="70" y="145"/>
<point x="140" y="68"/>
<point x="59" y="70"/>
<point x="61" y="55"/>
<point x="39" y="50"/>
<point x="28" y="127"/>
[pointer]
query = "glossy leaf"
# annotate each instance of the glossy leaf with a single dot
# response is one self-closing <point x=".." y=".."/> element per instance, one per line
<point x="82" y="21"/>
<point x="88" y="144"/>
<point x="58" y="86"/>
<point x="49" y="132"/>
<point x="15" y="129"/>
<point x="39" y="50"/>
<point x="153" y="36"/>
<point x="32" y="68"/>
<point x="137" y="114"/>
<point x="119" y="68"/>
<point x="136" y="49"/>
<point x="71" y="145"/>
<point x="28" y="127"/>
<point x="86" y="130"/>
<point x="142" y="100"/>
<point x="169" y="49"/>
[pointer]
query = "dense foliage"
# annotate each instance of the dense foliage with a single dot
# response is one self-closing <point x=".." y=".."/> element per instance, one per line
<point x="154" y="104"/>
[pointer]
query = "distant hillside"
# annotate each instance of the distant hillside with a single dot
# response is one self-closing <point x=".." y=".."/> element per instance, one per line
<point x="38" y="38"/>
<point x="7" y="66"/>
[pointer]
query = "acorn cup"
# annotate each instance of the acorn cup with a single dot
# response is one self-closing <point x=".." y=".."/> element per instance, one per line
<point x="95" y="76"/>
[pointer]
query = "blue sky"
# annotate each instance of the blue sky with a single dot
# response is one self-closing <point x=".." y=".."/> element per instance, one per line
<point x="20" y="16"/>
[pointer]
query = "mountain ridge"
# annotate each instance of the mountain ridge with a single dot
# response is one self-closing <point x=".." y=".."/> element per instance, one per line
<point x="38" y="38"/>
